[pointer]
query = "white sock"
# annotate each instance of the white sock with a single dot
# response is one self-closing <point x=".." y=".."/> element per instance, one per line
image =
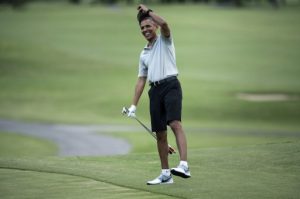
<point x="166" y="172"/>
<point x="184" y="163"/>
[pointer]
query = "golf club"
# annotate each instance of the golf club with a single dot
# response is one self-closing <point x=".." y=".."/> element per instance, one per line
<point x="125" y="111"/>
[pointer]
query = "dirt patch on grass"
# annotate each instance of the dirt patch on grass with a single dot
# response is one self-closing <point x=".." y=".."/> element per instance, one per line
<point x="267" y="97"/>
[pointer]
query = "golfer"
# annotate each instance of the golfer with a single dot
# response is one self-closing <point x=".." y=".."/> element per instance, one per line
<point x="157" y="64"/>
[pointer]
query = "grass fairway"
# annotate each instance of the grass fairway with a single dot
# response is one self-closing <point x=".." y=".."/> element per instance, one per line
<point x="224" y="165"/>
<point x="78" y="64"/>
<point x="261" y="171"/>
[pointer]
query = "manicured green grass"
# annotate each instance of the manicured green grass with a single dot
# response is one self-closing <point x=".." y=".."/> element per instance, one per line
<point x="79" y="64"/>
<point x="224" y="164"/>
<point x="258" y="171"/>
<point x="69" y="64"/>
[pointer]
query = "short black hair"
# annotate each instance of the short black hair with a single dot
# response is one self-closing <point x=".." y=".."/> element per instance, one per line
<point x="141" y="16"/>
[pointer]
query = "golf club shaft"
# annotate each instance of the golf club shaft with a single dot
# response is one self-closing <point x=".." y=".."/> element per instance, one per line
<point x="149" y="131"/>
<point x="171" y="149"/>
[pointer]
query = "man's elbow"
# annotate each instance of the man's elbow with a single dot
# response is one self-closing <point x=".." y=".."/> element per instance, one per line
<point x="164" y="25"/>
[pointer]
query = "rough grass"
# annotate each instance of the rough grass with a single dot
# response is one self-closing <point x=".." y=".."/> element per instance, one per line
<point x="209" y="138"/>
<point x="79" y="64"/>
<point x="15" y="145"/>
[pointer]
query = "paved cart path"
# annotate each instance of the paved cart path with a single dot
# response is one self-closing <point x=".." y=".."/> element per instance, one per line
<point x="75" y="140"/>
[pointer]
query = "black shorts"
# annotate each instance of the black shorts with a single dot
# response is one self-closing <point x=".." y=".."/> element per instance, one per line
<point x="165" y="104"/>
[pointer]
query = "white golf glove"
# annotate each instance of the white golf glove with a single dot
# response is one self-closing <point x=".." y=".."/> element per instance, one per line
<point x="131" y="111"/>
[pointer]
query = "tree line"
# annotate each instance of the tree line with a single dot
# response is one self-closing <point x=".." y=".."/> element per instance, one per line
<point x="238" y="3"/>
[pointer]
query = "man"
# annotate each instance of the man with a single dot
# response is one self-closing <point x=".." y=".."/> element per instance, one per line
<point x="158" y="65"/>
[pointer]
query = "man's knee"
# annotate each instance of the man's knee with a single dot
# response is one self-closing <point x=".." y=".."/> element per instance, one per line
<point x="175" y="126"/>
<point x="161" y="136"/>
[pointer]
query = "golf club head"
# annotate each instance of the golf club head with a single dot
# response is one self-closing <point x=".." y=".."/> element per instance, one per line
<point x="171" y="150"/>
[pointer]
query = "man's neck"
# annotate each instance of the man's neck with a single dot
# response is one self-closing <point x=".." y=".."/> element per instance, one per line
<point x="151" y="41"/>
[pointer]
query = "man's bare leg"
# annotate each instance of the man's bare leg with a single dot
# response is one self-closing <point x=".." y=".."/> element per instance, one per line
<point x="163" y="148"/>
<point x="180" y="139"/>
<point x="182" y="169"/>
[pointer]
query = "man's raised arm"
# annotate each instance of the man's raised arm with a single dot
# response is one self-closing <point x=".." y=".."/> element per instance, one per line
<point x="164" y="27"/>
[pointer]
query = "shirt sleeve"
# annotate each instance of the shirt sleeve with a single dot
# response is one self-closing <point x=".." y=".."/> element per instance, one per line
<point x="167" y="40"/>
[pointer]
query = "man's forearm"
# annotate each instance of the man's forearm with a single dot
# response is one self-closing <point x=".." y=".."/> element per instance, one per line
<point x="139" y="88"/>
<point x="161" y="22"/>
<point x="158" y="19"/>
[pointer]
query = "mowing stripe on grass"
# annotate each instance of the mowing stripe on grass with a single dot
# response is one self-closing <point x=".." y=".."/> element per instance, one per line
<point x="111" y="188"/>
<point x="53" y="185"/>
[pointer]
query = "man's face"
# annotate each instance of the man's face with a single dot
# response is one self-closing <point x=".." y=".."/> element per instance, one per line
<point x="148" y="29"/>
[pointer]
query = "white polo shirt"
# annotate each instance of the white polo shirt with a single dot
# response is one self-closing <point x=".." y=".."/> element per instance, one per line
<point x="158" y="62"/>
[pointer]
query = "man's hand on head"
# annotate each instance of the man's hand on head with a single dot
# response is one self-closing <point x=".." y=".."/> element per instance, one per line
<point x="142" y="8"/>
